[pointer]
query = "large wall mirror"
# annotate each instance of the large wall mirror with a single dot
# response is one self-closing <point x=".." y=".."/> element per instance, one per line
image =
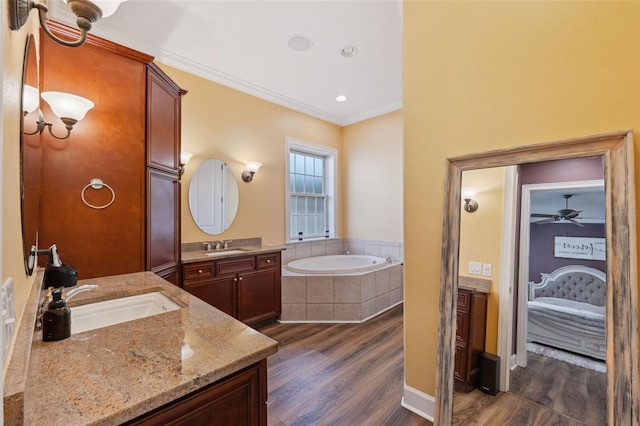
<point x="213" y="196"/>
<point x="30" y="156"/>
<point x="616" y="153"/>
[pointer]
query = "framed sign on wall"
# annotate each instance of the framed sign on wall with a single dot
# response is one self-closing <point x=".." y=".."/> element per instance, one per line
<point x="580" y="248"/>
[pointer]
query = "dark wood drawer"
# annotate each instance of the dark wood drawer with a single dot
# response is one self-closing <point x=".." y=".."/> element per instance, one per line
<point x="234" y="265"/>
<point x="270" y="260"/>
<point x="196" y="271"/>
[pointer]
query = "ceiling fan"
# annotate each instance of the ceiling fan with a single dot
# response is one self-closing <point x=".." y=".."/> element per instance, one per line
<point x="562" y="214"/>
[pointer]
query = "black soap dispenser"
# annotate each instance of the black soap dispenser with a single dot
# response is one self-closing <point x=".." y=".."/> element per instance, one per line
<point x="56" y="320"/>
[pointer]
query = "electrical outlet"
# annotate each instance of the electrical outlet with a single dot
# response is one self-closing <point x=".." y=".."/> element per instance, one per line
<point x="486" y="269"/>
<point x="475" y="267"/>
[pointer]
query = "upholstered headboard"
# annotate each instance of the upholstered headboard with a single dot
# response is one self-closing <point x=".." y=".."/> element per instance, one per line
<point x="574" y="282"/>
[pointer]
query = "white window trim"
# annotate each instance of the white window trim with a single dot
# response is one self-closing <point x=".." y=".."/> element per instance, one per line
<point x="331" y="164"/>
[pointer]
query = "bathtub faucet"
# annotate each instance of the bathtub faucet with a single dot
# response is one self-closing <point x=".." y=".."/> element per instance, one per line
<point x="389" y="259"/>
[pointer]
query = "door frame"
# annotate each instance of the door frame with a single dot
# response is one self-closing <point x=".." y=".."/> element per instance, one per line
<point x="523" y="264"/>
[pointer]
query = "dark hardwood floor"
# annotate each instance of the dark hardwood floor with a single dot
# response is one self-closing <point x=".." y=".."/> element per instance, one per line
<point x="547" y="392"/>
<point x="339" y="374"/>
<point x="352" y="374"/>
<point x="573" y="391"/>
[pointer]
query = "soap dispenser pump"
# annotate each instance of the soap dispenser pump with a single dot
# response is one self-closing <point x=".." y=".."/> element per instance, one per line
<point x="56" y="320"/>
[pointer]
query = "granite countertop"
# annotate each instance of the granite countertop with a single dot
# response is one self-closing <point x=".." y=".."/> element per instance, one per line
<point x="192" y="256"/>
<point x="117" y="373"/>
<point x="474" y="284"/>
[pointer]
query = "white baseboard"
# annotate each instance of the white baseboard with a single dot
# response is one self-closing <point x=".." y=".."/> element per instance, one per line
<point x="418" y="402"/>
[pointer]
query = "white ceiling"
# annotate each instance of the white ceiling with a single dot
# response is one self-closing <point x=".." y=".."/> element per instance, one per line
<point x="243" y="44"/>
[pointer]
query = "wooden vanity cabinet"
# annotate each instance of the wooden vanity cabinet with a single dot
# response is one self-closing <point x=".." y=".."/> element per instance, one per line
<point x="259" y="292"/>
<point x="471" y="318"/>
<point x="239" y="399"/>
<point x="245" y="287"/>
<point x="198" y="279"/>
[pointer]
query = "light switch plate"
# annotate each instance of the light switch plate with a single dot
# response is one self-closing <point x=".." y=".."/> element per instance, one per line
<point x="8" y="315"/>
<point x="475" y="268"/>
<point x="486" y="269"/>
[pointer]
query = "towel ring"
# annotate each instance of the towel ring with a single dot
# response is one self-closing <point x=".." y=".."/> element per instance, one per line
<point x="98" y="184"/>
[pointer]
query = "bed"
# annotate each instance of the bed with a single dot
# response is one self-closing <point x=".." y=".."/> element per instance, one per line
<point x="566" y="310"/>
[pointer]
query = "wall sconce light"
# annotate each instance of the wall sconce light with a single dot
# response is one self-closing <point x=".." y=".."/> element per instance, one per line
<point x="468" y="194"/>
<point x="252" y="168"/>
<point x="30" y="99"/>
<point x="86" y="11"/>
<point x="69" y="108"/>
<point x="184" y="159"/>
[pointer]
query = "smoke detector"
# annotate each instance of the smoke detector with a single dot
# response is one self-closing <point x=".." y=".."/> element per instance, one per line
<point x="299" y="43"/>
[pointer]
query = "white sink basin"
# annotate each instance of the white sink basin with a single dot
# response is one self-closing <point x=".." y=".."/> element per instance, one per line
<point x="115" y="311"/>
<point x="221" y="253"/>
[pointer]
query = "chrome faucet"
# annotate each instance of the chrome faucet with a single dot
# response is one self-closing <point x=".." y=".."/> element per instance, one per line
<point x="389" y="259"/>
<point x="80" y="289"/>
<point x="207" y="246"/>
<point x="226" y="244"/>
<point x="216" y="245"/>
<point x="48" y="297"/>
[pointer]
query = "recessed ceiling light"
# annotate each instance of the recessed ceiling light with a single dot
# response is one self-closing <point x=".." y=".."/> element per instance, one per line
<point x="299" y="43"/>
<point x="349" y="51"/>
<point x="341" y="98"/>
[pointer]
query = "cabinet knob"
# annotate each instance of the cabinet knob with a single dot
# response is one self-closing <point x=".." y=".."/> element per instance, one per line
<point x="240" y="278"/>
<point x="235" y="280"/>
<point x="268" y="260"/>
<point x="199" y="271"/>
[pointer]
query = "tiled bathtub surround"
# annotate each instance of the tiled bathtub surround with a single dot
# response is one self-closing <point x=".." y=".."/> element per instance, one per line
<point x="340" y="298"/>
<point x="333" y="246"/>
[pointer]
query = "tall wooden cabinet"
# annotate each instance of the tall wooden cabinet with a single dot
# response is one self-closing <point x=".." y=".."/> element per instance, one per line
<point x="164" y="99"/>
<point x="470" y="338"/>
<point x="131" y="141"/>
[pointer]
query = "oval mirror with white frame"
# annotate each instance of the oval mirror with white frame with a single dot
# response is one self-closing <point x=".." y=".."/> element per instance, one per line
<point x="213" y="196"/>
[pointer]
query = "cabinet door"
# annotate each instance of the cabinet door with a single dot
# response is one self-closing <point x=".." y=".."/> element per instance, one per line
<point x="236" y="400"/>
<point x="163" y="224"/>
<point x="460" y="363"/>
<point x="163" y="121"/>
<point x="220" y="293"/>
<point x="259" y="296"/>
<point x="172" y="275"/>
<point x="462" y="326"/>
